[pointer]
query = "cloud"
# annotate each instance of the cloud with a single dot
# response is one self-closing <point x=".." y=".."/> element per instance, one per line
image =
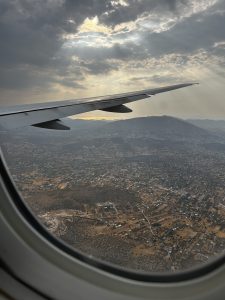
<point x="175" y="9"/>
<point x="130" y="12"/>
<point x="97" y="67"/>
<point x="166" y="78"/>
<point x="117" y="51"/>
<point x="31" y="38"/>
<point x="200" y="31"/>
<point x="66" y="47"/>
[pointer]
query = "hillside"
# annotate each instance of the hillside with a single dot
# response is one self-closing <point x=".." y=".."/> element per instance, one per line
<point x="156" y="127"/>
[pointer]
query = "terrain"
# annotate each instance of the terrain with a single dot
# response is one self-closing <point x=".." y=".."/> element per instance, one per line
<point x="145" y="194"/>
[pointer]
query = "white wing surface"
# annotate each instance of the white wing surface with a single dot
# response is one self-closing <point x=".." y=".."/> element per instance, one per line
<point x="48" y="115"/>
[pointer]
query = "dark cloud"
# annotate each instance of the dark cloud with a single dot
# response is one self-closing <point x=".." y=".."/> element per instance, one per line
<point x="31" y="36"/>
<point x="24" y="40"/>
<point x="117" y="51"/>
<point x="22" y="78"/>
<point x="120" y="13"/>
<point x="201" y="31"/>
<point x="33" y="54"/>
<point x="80" y="9"/>
<point x="196" y="32"/>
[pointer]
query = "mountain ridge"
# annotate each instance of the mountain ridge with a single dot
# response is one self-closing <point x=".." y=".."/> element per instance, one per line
<point x="163" y="127"/>
<point x="154" y="127"/>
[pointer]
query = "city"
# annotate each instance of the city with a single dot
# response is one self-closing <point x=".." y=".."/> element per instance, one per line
<point x="141" y="200"/>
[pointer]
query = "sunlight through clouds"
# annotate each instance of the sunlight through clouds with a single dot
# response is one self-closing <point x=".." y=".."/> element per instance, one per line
<point x="93" y="25"/>
<point x="94" y="48"/>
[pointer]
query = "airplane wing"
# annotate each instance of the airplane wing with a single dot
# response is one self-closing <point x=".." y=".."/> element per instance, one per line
<point x="48" y="115"/>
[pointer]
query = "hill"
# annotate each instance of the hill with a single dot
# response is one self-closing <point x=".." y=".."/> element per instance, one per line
<point x="156" y="127"/>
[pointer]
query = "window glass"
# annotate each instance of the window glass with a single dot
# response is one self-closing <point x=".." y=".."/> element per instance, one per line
<point x="144" y="193"/>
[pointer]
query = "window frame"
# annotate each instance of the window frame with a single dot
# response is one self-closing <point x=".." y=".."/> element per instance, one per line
<point x="38" y="247"/>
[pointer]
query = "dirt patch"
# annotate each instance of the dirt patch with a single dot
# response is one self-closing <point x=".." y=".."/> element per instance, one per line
<point x="186" y="233"/>
<point x="143" y="250"/>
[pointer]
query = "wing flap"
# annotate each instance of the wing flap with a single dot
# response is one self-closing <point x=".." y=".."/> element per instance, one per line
<point x="55" y="124"/>
<point x="118" y="109"/>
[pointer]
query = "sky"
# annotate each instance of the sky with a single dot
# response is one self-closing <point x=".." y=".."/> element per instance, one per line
<point x="62" y="49"/>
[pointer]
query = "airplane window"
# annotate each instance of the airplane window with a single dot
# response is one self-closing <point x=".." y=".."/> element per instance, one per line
<point x="143" y="190"/>
<point x="143" y="193"/>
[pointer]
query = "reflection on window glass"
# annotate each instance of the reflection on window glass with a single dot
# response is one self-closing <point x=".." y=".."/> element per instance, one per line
<point x="145" y="193"/>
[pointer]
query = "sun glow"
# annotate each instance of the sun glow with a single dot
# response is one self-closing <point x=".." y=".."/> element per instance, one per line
<point x="92" y="25"/>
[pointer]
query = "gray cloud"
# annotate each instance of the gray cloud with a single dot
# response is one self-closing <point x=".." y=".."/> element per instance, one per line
<point x="31" y="37"/>
<point x="98" y="67"/>
<point x="117" y="51"/>
<point x="33" y="53"/>
<point x="120" y="14"/>
<point x="161" y="79"/>
<point x="200" y="31"/>
<point x="197" y="32"/>
<point x="21" y="78"/>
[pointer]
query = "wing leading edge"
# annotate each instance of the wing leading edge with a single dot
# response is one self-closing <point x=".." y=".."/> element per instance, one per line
<point x="48" y="115"/>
